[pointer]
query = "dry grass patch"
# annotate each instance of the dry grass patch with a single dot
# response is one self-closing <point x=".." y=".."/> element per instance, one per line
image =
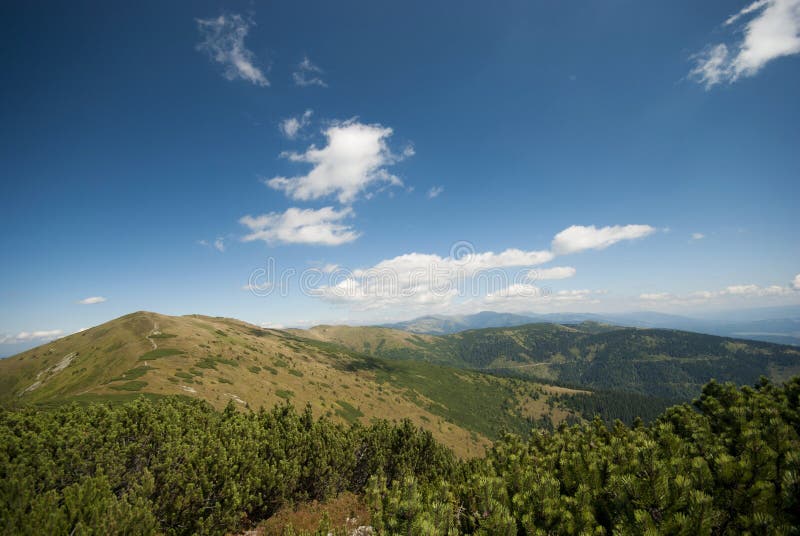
<point x="345" y="513"/>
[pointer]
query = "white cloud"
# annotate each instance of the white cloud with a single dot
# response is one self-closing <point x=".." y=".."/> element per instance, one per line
<point x="796" y="282"/>
<point x="329" y="268"/>
<point x="771" y="31"/>
<point x="223" y="41"/>
<point x="731" y="292"/>
<point x="435" y="191"/>
<point x="307" y="74"/>
<point x="556" y="272"/>
<point x="426" y="280"/>
<point x="92" y="300"/>
<point x="698" y="236"/>
<point x="655" y="296"/>
<point x="27" y="336"/>
<point x="429" y="281"/>
<point x="292" y="126"/>
<point x="355" y="158"/>
<point x="526" y="291"/>
<point x="579" y="238"/>
<point x="522" y="298"/>
<point x="301" y="226"/>
<point x="218" y="244"/>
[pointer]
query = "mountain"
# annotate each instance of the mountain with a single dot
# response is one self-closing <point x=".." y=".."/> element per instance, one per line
<point x="220" y="360"/>
<point x="658" y="362"/>
<point x="775" y="324"/>
<point x="466" y="387"/>
<point x="440" y="324"/>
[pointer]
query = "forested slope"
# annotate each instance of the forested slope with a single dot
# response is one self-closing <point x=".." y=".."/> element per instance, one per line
<point x="664" y="363"/>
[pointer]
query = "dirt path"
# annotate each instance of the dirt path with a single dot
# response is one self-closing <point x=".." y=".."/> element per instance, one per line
<point x="153" y="331"/>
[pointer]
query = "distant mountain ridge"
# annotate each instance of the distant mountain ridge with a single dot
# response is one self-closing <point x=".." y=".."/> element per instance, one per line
<point x="779" y="325"/>
<point x="659" y="362"/>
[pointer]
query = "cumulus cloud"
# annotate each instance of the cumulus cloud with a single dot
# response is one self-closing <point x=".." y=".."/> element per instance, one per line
<point x="301" y="226"/>
<point x="92" y="300"/>
<point x="308" y="74"/>
<point x="355" y="158"/>
<point x="292" y="126"/>
<point x="430" y="281"/>
<point x="579" y="238"/>
<point x="28" y="336"/>
<point x="796" y="282"/>
<point x="698" y="236"/>
<point x="765" y="30"/>
<point x="521" y="298"/>
<point x="745" y="291"/>
<point x="435" y="191"/>
<point x="526" y="291"/>
<point x="223" y="41"/>
<point x="421" y="279"/>
<point x="556" y="272"/>
<point x="655" y="296"/>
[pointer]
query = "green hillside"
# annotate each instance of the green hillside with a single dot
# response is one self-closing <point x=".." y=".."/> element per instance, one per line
<point x="655" y="362"/>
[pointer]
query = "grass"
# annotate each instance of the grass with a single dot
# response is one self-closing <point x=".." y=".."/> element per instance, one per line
<point x="132" y="374"/>
<point x="286" y="394"/>
<point x="224" y="380"/>
<point x="211" y="362"/>
<point x="159" y="352"/>
<point x="207" y="363"/>
<point x="163" y="336"/>
<point x="295" y="372"/>
<point x="135" y="385"/>
<point x="348" y="412"/>
<point x="345" y="512"/>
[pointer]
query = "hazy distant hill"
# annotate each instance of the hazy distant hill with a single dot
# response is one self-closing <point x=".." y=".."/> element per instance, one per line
<point x="440" y="324"/>
<point x="777" y="324"/>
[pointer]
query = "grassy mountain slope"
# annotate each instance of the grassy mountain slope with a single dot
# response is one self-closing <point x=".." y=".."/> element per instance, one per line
<point x="443" y="325"/>
<point x="658" y="362"/>
<point x="384" y="342"/>
<point x="222" y="360"/>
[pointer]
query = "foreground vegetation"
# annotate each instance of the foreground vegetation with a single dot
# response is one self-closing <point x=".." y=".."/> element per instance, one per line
<point x="730" y="464"/>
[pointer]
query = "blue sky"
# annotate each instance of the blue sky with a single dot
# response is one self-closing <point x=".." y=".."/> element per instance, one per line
<point x="155" y="155"/>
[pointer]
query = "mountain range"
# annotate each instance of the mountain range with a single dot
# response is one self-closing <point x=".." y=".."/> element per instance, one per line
<point x="776" y="324"/>
<point x="467" y="387"/>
